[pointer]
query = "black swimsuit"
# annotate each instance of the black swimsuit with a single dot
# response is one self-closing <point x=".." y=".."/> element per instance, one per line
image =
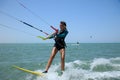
<point x="60" y="40"/>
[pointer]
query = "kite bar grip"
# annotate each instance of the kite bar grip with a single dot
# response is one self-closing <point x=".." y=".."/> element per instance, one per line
<point x="56" y="30"/>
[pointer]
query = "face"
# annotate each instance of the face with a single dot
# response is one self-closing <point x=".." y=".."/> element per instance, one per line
<point x="62" y="27"/>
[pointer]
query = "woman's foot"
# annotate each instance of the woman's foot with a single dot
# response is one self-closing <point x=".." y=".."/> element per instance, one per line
<point x="60" y="73"/>
<point x="45" y="72"/>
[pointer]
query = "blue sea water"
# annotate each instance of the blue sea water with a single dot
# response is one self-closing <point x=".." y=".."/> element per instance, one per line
<point x="85" y="61"/>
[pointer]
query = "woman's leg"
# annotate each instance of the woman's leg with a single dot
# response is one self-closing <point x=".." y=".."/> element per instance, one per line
<point x="54" y="51"/>
<point x="62" y="52"/>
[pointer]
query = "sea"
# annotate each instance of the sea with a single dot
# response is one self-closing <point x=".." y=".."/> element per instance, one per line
<point x="84" y="61"/>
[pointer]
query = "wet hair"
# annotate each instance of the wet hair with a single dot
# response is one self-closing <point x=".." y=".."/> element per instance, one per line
<point x="63" y="23"/>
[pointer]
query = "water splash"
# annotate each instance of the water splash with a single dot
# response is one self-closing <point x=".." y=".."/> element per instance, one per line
<point x="97" y="69"/>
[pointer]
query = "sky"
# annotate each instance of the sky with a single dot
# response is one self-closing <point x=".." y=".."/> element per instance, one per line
<point x="88" y="21"/>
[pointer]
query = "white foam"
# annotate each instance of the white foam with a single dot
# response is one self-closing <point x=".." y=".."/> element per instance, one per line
<point x="78" y="62"/>
<point x="102" y="75"/>
<point x="75" y="74"/>
<point x="117" y="58"/>
<point x="72" y="73"/>
<point x="99" y="61"/>
<point x="70" y="65"/>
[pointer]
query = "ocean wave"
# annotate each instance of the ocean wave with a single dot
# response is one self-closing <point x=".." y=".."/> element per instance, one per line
<point x="97" y="69"/>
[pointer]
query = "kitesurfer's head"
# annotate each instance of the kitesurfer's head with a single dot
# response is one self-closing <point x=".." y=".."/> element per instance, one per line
<point x="63" y="25"/>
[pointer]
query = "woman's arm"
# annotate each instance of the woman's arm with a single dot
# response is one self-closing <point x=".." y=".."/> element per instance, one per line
<point x="51" y="36"/>
<point x="63" y="34"/>
<point x="58" y="35"/>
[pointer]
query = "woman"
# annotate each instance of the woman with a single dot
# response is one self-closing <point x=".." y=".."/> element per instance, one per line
<point x="58" y="46"/>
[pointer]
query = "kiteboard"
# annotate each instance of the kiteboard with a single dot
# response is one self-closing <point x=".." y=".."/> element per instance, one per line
<point x="29" y="71"/>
